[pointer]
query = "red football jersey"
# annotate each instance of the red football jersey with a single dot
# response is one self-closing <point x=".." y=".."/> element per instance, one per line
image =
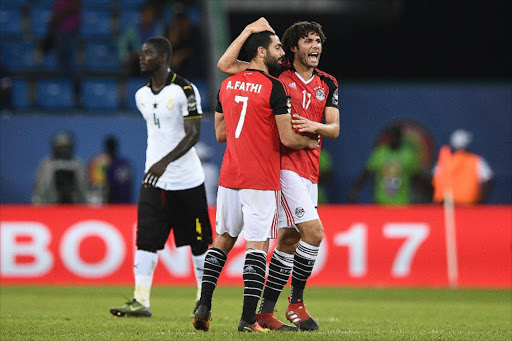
<point x="309" y="99"/>
<point x="249" y="100"/>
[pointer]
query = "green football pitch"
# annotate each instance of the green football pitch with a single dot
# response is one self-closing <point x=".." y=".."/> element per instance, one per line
<point x="33" y="313"/>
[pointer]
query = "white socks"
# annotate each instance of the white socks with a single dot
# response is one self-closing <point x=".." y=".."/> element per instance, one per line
<point x="143" y="269"/>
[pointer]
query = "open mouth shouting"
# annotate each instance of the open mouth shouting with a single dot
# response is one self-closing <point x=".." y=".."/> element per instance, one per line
<point x="313" y="57"/>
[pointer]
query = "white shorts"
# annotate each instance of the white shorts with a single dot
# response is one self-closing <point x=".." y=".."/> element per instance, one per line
<point x="253" y="211"/>
<point x="299" y="199"/>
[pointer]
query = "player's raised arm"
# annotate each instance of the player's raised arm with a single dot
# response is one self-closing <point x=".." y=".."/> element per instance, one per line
<point x="228" y="62"/>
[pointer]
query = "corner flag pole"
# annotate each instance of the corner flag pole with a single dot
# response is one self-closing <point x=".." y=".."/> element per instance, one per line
<point x="451" y="240"/>
<point x="449" y="218"/>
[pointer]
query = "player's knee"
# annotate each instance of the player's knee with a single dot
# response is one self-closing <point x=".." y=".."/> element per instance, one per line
<point x="314" y="233"/>
<point x="224" y="242"/>
<point x="288" y="240"/>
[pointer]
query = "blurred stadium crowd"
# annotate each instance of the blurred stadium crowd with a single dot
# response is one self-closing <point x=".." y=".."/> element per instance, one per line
<point x="72" y="54"/>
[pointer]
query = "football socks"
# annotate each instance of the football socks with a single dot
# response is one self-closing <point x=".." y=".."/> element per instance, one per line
<point x="213" y="264"/>
<point x="143" y="269"/>
<point x="303" y="262"/>
<point x="255" y="268"/>
<point x="279" y="271"/>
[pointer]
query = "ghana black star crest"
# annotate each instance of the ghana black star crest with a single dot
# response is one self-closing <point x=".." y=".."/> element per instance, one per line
<point x="155" y="105"/>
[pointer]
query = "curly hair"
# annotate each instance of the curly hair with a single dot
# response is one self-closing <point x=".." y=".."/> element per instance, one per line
<point x="299" y="30"/>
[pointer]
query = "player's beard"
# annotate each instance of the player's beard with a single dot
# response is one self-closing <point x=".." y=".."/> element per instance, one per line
<point x="273" y="64"/>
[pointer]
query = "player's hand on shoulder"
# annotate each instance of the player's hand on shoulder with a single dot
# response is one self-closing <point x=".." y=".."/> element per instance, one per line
<point x="260" y="25"/>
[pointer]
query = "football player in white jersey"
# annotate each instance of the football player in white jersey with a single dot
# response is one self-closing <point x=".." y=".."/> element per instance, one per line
<point x="172" y="195"/>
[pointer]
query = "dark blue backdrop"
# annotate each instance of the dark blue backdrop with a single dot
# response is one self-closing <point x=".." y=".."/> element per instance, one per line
<point x="484" y="109"/>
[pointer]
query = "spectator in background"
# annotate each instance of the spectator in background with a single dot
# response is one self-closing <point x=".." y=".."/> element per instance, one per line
<point x="119" y="176"/>
<point x="110" y="176"/>
<point x="132" y="38"/>
<point x="211" y="172"/>
<point x="184" y="37"/>
<point x="63" y="33"/>
<point x="467" y="175"/>
<point x="60" y="178"/>
<point x="393" y="165"/>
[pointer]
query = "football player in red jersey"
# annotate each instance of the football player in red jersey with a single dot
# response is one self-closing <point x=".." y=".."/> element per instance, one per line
<point x="253" y="116"/>
<point x="314" y="97"/>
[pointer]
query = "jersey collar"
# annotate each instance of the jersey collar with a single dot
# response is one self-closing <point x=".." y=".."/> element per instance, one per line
<point x="170" y="79"/>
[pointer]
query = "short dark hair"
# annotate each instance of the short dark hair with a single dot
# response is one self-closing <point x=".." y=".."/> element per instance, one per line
<point x="256" y="40"/>
<point x="299" y="30"/>
<point x="162" y="46"/>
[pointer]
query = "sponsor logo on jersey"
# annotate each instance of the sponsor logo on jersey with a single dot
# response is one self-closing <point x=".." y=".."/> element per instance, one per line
<point x="320" y="94"/>
<point x="335" y="97"/>
<point x="299" y="212"/>
<point x="289" y="104"/>
<point x="293" y="85"/>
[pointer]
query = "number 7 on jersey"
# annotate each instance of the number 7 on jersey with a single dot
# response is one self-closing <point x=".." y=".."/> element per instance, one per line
<point x="241" y="121"/>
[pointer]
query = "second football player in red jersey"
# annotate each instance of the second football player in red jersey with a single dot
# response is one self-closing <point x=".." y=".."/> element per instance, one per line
<point x="314" y="96"/>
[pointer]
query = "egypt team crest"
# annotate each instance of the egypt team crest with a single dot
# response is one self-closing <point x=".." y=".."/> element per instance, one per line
<point x="299" y="212"/>
<point x="320" y="94"/>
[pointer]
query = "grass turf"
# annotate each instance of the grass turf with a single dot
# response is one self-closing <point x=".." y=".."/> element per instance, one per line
<point x="82" y="313"/>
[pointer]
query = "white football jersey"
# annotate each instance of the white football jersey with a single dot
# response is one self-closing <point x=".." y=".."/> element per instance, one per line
<point x="165" y="113"/>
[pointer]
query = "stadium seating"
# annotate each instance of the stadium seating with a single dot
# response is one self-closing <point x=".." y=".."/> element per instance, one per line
<point x="41" y="85"/>
<point x="39" y="21"/>
<point x="105" y="4"/>
<point x="11" y="22"/>
<point x="127" y="18"/>
<point x="13" y="4"/>
<point x="55" y="94"/>
<point x="20" y="94"/>
<point x="18" y="55"/>
<point x="100" y="94"/>
<point x="131" y="3"/>
<point x="49" y="62"/>
<point x="42" y="3"/>
<point x="101" y="57"/>
<point x="96" y="24"/>
<point x="132" y="85"/>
